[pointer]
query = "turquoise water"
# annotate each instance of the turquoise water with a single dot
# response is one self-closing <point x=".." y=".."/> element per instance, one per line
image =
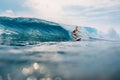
<point x="31" y="29"/>
<point x="36" y="49"/>
<point x="85" y="60"/>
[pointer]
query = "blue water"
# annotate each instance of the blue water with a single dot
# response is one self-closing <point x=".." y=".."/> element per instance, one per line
<point x="38" y="57"/>
<point x="30" y="29"/>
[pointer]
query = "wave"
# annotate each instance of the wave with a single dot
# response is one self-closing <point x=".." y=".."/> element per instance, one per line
<point x="31" y="29"/>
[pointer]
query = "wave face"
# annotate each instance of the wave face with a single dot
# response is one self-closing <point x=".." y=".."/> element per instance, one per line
<point x="31" y="29"/>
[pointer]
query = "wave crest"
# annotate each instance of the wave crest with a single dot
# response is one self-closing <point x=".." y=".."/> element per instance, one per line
<point x="31" y="29"/>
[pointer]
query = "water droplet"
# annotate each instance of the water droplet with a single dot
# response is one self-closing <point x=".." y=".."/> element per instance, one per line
<point x="36" y="66"/>
<point x="31" y="78"/>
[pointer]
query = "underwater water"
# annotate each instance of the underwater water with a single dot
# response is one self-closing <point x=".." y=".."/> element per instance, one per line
<point x="35" y="49"/>
<point x="85" y="60"/>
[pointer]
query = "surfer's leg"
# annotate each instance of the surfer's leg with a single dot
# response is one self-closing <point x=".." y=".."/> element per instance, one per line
<point x="76" y="37"/>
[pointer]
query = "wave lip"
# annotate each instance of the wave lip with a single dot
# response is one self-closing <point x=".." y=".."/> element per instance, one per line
<point x="31" y="29"/>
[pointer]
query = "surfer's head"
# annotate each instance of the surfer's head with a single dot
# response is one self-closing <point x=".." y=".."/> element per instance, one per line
<point x="76" y="27"/>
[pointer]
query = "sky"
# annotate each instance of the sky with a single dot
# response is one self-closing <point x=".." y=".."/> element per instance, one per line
<point x="100" y="14"/>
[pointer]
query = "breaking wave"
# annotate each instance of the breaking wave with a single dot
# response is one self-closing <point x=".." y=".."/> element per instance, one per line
<point x="31" y="29"/>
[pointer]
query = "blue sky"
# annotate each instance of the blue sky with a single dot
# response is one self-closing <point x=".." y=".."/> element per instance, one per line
<point x="11" y="5"/>
<point x="101" y="14"/>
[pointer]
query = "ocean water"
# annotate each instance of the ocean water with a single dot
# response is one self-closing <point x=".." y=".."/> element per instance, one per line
<point x="84" y="60"/>
<point x="35" y="49"/>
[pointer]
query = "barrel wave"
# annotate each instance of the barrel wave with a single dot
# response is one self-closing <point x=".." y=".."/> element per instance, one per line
<point x="31" y="29"/>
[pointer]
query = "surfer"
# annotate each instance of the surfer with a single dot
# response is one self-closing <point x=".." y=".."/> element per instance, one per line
<point x="75" y="33"/>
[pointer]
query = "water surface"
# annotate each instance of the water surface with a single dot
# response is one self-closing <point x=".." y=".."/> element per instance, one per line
<point x="85" y="60"/>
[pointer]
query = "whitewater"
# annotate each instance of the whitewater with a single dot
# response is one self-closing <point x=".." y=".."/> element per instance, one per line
<point x="36" y="49"/>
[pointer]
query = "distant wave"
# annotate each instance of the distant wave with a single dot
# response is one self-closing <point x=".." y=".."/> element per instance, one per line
<point x="31" y="29"/>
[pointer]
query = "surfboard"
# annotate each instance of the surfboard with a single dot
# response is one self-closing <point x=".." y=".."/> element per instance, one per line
<point x="78" y="39"/>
